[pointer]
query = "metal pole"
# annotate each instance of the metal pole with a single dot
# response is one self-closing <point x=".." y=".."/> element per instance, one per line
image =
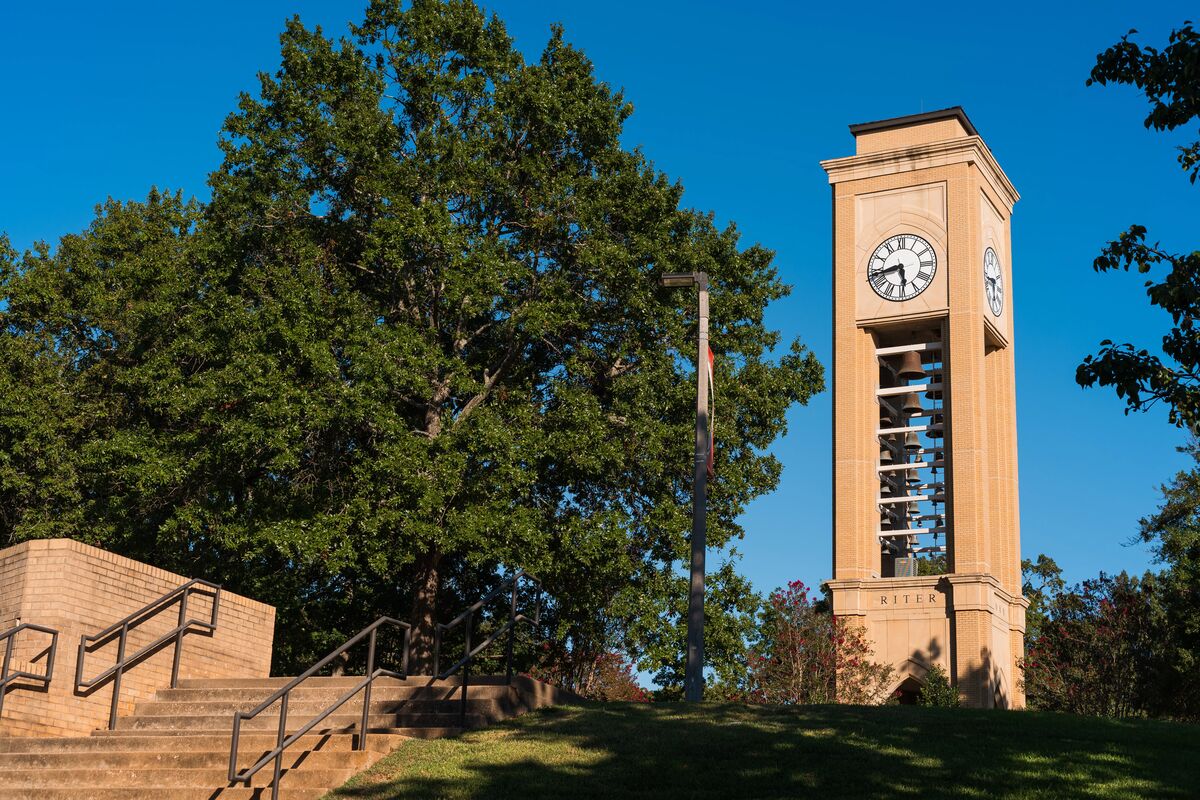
<point x="693" y="683"/>
<point x="362" y="731"/>
<point x="466" y="673"/>
<point x="116" y="697"/>
<point x="233" y="747"/>
<point x="8" y="648"/>
<point x="179" y="640"/>
<point x="283" y="709"/>
<point x="512" y="632"/>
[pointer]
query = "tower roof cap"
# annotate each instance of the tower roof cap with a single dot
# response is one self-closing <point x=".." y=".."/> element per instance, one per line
<point x="954" y="112"/>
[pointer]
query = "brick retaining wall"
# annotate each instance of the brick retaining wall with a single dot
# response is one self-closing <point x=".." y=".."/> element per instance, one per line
<point x="79" y="589"/>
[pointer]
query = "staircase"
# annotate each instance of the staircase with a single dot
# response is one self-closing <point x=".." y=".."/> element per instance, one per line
<point x="176" y="747"/>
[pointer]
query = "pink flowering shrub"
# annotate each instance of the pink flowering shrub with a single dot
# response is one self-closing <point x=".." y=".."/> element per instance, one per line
<point x="804" y="654"/>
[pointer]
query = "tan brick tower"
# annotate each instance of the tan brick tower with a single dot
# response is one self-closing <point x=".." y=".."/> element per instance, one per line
<point x="924" y="421"/>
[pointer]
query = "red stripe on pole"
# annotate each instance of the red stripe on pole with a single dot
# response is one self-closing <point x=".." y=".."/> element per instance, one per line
<point x="712" y="407"/>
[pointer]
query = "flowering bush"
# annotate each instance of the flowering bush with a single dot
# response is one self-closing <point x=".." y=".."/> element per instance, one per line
<point x="804" y="654"/>
<point x="1099" y="650"/>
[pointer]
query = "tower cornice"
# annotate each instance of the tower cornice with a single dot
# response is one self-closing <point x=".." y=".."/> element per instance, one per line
<point x="965" y="149"/>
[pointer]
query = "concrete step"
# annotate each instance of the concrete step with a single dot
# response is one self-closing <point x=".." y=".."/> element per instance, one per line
<point x="322" y="681"/>
<point x="305" y="710"/>
<point x="355" y="760"/>
<point x="249" y="744"/>
<point x="176" y="746"/>
<point x="334" y="723"/>
<point x="327" y="694"/>
<point x="343" y="680"/>
<point x="181" y="778"/>
<point x="416" y="732"/>
<point x="157" y="793"/>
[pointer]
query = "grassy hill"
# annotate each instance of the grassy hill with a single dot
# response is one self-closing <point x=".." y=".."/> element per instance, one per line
<point x="668" y="750"/>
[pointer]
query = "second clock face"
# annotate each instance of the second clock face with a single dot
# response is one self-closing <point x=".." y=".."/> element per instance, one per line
<point x="901" y="267"/>
<point x="993" y="281"/>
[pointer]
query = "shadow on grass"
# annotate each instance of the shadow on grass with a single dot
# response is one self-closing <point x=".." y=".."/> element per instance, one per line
<point x="719" y="751"/>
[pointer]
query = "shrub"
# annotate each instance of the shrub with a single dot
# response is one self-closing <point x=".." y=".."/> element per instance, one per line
<point x="805" y="654"/>
<point x="937" y="691"/>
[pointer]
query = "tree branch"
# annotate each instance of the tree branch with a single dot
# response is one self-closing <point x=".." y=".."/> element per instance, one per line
<point x="489" y="381"/>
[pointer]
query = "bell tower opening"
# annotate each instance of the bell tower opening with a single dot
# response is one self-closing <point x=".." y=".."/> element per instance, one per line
<point x="913" y="491"/>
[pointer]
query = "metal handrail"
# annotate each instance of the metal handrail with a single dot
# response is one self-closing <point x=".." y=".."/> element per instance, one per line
<point x="121" y="628"/>
<point x="10" y="638"/>
<point x="282" y="740"/>
<point x="467" y="619"/>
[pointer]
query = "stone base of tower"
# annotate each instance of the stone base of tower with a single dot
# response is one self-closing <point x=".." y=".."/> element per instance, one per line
<point x="967" y="624"/>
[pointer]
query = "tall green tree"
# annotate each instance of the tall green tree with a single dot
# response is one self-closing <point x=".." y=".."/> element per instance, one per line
<point x="414" y="338"/>
<point x="1173" y="530"/>
<point x="1170" y="79"/>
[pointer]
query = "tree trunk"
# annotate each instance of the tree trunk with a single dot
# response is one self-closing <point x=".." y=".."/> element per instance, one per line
<point x="424" y="612"/>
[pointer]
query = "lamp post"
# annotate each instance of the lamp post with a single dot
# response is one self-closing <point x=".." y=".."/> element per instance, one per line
<point x="693" y="681"/>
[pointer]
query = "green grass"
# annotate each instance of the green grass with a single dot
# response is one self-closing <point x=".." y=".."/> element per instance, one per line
<point x="669" y="750"/>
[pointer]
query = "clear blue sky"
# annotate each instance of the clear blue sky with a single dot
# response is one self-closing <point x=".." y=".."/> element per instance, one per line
<point x="739" y="101"/>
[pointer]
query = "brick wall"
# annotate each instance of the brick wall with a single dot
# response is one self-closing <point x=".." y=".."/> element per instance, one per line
<point x="79" y="589"/>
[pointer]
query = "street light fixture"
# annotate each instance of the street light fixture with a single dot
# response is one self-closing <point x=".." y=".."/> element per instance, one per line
<point x="693" y="681"/>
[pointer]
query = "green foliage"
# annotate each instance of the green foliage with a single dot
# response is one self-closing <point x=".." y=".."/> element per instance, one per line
<point x="731" y="608"/>
<point x="932" y="565"/>
<point x="1170" y="80"/>
<point x="937" y="691"/>
<point x="415" y="338"/>
<point x="1041" y="583"/>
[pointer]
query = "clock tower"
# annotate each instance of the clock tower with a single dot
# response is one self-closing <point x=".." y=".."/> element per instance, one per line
<point x="925" y="519"/>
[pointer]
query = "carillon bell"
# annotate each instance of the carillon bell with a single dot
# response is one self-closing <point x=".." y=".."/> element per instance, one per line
<point x="911" y="404"/>
<point x="913" y="480"/>
<point x="886" y="418"/>
<point x="911" y="443"/>
<point x="936" y="433"/>
<point x="910" y="366"/>
<point x="935" y="394"/>
<point x="885" y="455"/>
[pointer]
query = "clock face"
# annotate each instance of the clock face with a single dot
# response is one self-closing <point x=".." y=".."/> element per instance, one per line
<point x="993" y="281"/>
<point x="902" y="267"/>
